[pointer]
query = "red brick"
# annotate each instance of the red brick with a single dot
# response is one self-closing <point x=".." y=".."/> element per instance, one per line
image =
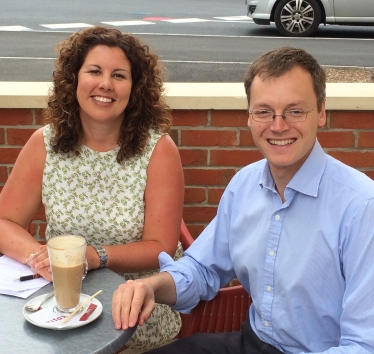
<point x="174" y="135"/>
<point x="355" y="159"/>
<point x="15" y="116"/>
<point x="42" y="228"/>
<point x="352" y="119"/>
<point x="9" y="155"/>
<point x="18" y="136"/>
<point x="366" y="140"/>
<point x="330" y="139"/>
<point x="190" y="118"/>
<point x="199" y="214"/>
<point x="195" y="229"/>
<point x="208" y="138"/>
<point x="246" y="138"/>
<point x="208" y="177"/>
<point x="196" y="157"/>
<point x="234" y="157"/>
<point x="214" y="195"/>
<point x="3" y="174"/>
<point x="369" y="173"/>
<point x="2" y="136"/>
<point x="229" y="118"/>
<point x="194" y="195"/>
<point x="32" y="229"/>
<point x="39" y="117"/>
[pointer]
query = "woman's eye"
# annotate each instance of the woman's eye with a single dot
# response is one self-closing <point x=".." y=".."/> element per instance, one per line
<point x="94" y="72"/>
<point x="119" y="76"/>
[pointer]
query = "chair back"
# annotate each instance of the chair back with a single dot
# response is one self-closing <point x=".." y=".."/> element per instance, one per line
<point x="185" y="237"/>
<point x="225" y="313"/>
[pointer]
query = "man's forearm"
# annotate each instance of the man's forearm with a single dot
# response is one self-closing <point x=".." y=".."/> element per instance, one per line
<point x="164" y="288"/>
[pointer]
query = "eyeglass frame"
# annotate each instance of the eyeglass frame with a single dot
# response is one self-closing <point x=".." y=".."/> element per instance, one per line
<point x="283" y="116"/>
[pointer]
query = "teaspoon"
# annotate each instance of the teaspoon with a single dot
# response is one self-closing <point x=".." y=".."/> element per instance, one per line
<point x="35" y="307"/>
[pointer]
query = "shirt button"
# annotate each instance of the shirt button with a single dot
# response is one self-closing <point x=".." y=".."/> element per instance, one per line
<point x="266" y="323"/>
<point x="271" y="253"/>
<point x="268" y="288"/>
<point x="277" y="217"/>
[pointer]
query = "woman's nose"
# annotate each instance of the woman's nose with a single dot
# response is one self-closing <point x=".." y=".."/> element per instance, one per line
<point x="106" y="82"/>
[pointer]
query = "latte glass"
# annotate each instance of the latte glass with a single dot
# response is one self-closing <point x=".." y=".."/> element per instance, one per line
<point x="67" y="256"/>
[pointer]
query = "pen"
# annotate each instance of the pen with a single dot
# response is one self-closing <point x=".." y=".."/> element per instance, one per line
<point x="30" y="277"/>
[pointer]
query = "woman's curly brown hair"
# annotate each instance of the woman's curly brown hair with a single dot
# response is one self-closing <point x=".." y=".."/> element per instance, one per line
<point x="146" y="107"/>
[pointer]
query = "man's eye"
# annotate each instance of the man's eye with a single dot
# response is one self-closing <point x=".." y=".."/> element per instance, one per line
<point x="263" y="113"/>
<point x="295" y="112"/>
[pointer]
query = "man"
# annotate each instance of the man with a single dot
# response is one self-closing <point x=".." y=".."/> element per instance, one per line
<point x="297" y="229"/>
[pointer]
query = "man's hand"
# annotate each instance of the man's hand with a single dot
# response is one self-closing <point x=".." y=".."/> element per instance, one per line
<point x="133" y="302"/>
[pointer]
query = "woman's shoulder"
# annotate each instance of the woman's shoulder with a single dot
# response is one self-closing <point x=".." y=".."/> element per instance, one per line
<point x="37" y="138"/>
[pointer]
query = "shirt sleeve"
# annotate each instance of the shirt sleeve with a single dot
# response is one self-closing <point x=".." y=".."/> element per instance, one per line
<point x="206" y="265"/>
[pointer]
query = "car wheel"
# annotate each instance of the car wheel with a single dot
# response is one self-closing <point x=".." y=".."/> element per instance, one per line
<point x="297" y="18"/>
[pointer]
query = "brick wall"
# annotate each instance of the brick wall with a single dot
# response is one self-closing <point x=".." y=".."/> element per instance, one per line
<point x="214" y="145"/>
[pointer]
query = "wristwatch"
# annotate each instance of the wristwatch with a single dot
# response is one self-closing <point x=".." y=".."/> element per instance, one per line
<point x="102" y="255"/>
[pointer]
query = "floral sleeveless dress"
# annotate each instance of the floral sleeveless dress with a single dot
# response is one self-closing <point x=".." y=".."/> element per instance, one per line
<point x="94" y="196"/>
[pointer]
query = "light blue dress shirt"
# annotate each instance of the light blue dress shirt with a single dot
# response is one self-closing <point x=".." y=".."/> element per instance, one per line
<point x="308" y="263"/>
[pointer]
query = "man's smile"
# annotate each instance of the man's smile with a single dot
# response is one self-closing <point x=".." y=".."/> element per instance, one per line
<point x="281" y="142"/>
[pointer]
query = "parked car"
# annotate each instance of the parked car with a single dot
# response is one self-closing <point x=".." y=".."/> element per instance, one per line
<point x="301" y="18"/>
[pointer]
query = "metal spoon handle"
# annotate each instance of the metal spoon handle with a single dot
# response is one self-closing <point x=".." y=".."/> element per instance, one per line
<point x="34" y="308"/>
<point x="47" y="297"/>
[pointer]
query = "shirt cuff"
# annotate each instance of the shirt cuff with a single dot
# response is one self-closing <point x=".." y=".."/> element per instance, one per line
<point x="187" y="293"/>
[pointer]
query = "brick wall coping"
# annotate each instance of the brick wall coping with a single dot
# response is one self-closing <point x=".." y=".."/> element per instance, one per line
<point x="231" y="96"/>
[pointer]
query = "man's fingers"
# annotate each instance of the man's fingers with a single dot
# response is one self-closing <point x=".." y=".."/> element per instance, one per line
<point x="132" y="302"/>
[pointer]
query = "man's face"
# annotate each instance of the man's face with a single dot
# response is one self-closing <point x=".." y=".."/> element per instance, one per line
<point x="285" y="145"/>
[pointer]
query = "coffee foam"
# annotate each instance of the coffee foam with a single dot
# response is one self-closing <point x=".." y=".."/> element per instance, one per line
<point x="66" y="250"/>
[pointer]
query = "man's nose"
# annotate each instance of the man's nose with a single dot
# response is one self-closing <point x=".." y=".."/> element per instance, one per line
<point x="279" y="124"/>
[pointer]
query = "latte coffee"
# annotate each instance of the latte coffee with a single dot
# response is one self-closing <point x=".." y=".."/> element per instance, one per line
<point x="67" y="282"/>
<point x="67" y="255"/>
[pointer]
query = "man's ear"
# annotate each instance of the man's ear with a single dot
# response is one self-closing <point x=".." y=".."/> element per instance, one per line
<point x="322" y="115"/>
<point x="249" y="118"/>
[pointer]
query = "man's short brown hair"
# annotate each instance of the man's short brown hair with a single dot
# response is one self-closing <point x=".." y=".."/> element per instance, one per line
<point x="279" y="61"/>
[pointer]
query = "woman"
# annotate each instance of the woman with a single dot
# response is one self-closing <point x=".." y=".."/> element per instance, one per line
<point x="104" y="167"/>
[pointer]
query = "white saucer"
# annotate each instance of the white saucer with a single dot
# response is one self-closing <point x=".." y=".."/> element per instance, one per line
<point x="33" y="317"/>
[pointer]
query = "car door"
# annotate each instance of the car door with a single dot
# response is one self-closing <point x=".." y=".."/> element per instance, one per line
<point x="347" y="10"/>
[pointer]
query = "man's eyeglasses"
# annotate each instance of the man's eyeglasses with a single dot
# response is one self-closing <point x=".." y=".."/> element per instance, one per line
<point x="291" y="116"/>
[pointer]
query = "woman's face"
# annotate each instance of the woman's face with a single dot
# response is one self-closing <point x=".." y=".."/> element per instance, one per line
<point x="104" y="85"/>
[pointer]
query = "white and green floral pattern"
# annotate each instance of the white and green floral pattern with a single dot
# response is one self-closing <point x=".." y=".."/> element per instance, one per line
<point x="94" y="196"/>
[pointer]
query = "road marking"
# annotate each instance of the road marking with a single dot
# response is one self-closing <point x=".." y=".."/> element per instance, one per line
<point x="234" y="18"/>
<point x="128" y="23"/>
<point x="27" y="58"/>
<point x="156" y="18"/>
<point x="67" y="25"/>
<point x="14" y="28"/>
<point x="187" y="20"/>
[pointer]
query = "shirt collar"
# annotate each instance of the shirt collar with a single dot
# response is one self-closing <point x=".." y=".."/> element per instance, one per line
<point x="307" y="178"/>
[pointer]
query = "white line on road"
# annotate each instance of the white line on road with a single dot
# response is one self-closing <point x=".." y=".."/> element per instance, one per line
<point x="14" y="28"/>
<point x="66" y="25"/>
<point x="128" y="23"/>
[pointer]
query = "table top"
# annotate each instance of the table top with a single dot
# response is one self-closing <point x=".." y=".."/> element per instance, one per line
<point x="99" y="337"/>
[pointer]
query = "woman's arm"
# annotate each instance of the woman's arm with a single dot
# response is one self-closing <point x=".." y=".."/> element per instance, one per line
<point x="164" y="195"/>
<point x="20" y="200"/>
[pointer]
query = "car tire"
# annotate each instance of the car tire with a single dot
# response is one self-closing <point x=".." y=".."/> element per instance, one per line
<point x="297" y="18"/>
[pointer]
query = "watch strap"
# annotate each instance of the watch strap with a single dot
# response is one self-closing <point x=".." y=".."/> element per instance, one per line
<point x="102" y="255"/>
